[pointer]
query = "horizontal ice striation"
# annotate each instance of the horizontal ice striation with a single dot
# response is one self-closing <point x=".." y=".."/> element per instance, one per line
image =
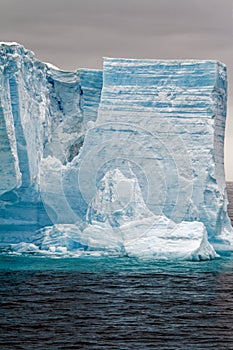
<point x="91" y="86"/>
<point x="168" y="118"/>
<point x="42" y="115"/>
<point x="133" y="167"/>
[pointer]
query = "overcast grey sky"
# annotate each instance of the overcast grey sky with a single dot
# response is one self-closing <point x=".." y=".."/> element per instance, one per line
<point x="78" y="33"/>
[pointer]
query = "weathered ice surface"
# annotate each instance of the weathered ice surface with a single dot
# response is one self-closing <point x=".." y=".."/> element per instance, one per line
<point x="119" y="222"/>
<point x="174" y="111"/>
<point x="44" y="113"/>
<point x="230" y="196"/>
<point x="134" y="167"/>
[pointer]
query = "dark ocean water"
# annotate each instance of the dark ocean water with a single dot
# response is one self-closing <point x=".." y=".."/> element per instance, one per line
<point x="109" y="303"/>
<point x="115" y="303"/>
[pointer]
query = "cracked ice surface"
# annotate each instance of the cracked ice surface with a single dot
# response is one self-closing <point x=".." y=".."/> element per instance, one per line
<point x="134" y="166"/>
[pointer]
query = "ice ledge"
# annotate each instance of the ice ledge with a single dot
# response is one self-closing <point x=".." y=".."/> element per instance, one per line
<point x="187" y="241"/>
<point x="118" y="221"/>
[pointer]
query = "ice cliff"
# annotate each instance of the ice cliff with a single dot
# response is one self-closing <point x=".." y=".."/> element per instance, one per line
<point x="129" y="160"/>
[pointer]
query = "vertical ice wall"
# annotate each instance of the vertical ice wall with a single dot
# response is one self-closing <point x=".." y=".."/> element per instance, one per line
<point x="166" y="119"/>
<point x="23" y="101"/>
<point x="9" y="163"/>
<point x="42" y="115"/>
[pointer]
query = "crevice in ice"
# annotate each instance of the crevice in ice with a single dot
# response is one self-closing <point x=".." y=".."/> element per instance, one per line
<point x="19" y="133"/>
<point x="75" y="148"/>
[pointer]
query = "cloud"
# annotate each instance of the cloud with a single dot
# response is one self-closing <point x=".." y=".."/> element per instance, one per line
<point x="161" y="27"/>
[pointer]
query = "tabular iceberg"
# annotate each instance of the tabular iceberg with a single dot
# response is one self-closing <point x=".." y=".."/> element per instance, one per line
<point x="126" y="161"/>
